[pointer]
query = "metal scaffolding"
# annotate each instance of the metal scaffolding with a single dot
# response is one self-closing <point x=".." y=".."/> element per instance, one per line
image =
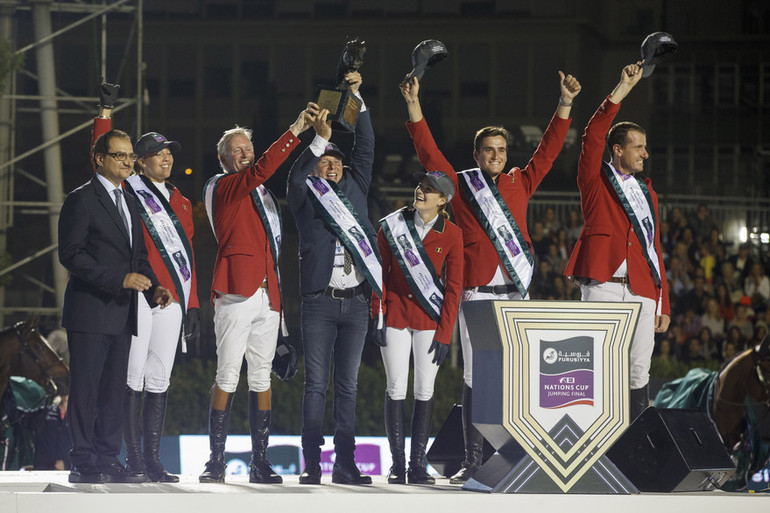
<point x="48" y="101"/>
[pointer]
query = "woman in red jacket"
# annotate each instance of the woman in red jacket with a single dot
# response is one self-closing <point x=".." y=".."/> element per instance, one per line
<point x="168" y="230"/>
<point x="422" y="267"/>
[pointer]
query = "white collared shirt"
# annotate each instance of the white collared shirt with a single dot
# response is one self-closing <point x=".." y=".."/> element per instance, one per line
<point x="421" y="227"/>
<point x="110" y="188"/>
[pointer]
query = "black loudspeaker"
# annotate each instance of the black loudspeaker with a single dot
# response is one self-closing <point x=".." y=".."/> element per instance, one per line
<point x="447" y="452"/>
<point x="671" y="450"/>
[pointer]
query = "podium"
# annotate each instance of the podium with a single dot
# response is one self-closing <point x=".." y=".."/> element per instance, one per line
<point x="550" y="393"/>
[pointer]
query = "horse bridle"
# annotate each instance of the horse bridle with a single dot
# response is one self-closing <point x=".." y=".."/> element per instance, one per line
<point x="20" y="336"/>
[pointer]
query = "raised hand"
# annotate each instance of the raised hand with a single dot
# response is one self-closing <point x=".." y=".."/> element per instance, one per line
<point x="631" y="74"/>
<point x="305" y="119"/>
<point x="410" y="89"/>
<point x="569" y="86"/>
<point x="108" y="94"/>
<point x="629" y="77"/>
<point x="354" y="80"/>
<point x="321" y="126"/>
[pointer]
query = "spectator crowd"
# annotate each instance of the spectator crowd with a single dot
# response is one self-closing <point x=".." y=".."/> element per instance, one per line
<point x="719" y="298"/>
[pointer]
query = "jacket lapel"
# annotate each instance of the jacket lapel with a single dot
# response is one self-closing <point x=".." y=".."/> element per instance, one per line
<point x="109" y="205"/>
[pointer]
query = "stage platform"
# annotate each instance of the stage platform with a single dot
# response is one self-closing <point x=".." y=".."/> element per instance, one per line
<point x="39" y="492"/>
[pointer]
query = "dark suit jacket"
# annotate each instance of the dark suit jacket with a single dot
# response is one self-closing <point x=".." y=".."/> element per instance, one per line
<point x="94" y="247"/>
<point x="316" y="240"/>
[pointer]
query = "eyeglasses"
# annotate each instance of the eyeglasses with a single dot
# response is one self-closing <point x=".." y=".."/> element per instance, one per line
<point x="121" y="157"/>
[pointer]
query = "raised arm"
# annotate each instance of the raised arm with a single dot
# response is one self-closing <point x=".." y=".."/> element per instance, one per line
<point x="362" y="155"/>
<point x="590" y="162"/>
<point x="410" y="90"/>
<point x="108" y="95"/>
<point x="428" y="153"/>
<point x="317" y="118"/>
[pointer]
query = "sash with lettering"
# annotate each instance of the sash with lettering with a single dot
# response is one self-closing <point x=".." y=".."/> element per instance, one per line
<point x="340" y="215"/>
<point x="166" y="232"/>
<point x="268" y="209"/>
<point x="640" y="211"/>
<point x="406" y="245"/>
<point x="497" y="221"/>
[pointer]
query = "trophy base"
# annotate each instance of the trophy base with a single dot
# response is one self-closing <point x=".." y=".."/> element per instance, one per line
<point x="343" y="106"/>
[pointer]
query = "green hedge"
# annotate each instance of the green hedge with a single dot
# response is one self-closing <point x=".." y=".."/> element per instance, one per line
<point x="191" y="380"/>
<point x="671" y="368"/>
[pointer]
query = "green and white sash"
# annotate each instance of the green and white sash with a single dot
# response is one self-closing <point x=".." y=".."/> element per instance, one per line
<point x="639" y="208"/>
<point x="406" y="245"/>
<point x="497" y="221"/>
<point x="166" y="232"/>
<point x="340" y="215"/>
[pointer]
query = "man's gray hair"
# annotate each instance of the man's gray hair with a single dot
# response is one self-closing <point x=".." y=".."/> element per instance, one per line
<point x="224" y="142"/>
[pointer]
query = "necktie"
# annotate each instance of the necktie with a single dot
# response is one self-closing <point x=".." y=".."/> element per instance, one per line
<point x="119" y="204"/>
<point x="348" y="262"/>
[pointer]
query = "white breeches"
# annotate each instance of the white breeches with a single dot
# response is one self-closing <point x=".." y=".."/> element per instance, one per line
<point x="152" y="352"/>
<point x="395" y="356"/>
<point x="245" y="327"/>
<point x="644" y="337"/>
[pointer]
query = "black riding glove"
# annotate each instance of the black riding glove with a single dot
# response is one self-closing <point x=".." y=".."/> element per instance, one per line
<point x="441" y="352"/>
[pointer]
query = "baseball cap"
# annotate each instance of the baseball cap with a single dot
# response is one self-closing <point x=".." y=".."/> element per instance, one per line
<point x="425" y="55"/>
<point x="654" y="47"/>
<point x="333" y="149"/>
<point x="152" y="142"/>
<point x="439" y="180"/>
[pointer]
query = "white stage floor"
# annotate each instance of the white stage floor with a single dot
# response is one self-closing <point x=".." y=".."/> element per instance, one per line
<point x="39" y="492"/>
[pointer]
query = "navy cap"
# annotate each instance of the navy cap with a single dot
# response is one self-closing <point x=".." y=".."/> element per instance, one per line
<point x="654" y="47"/>
<point x="153" y="142"/>
<point x="333" y="149"/>
<point x="425" y="55"/>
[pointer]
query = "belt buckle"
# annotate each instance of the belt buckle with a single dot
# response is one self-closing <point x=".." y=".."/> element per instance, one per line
<point x="334" y="292"/>
<point x="499" y="290"/>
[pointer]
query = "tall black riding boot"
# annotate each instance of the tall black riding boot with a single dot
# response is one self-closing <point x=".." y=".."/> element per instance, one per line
<point x="132" y="434"/>
<point x="421" y="417"/>
<point x="394" y="427"/>
<point x="639" y="400"/>
<point x="259" y="425"/>
<point x="474" y="441"/>
<point x="154" y="417"/>
<point x="219" y="423"/>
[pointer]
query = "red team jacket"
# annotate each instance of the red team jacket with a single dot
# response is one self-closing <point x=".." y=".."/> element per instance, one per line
<point x="244" y="257"/>
<point x="444" y="246"/>
<point x="516" y="187"/>
<point x="608" y="237"/>
<point x="183" y="210"/>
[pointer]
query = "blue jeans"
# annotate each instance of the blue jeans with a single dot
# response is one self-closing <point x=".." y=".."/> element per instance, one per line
<point x="332" y="330"/>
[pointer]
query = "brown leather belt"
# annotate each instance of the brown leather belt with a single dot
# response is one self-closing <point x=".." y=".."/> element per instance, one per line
<point x="623" y="280"/>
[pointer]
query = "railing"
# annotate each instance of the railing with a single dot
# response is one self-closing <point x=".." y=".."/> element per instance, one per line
<point x="738" y="219"/>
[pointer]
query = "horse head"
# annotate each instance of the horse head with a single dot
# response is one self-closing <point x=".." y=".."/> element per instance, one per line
<point x="40" y="361"/>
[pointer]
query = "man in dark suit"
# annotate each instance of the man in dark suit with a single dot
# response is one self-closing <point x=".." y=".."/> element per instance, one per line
<point x="333" y="281"/>
<point x="102" y="246"/>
